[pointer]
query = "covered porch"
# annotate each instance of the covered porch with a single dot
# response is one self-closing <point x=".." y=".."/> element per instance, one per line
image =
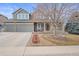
<point x="42" y="27"/>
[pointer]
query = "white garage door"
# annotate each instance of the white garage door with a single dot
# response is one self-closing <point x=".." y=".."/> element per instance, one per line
<point x="19" y="27"/>
<point x="10" y="27"/>
<point x="27" y="27"/>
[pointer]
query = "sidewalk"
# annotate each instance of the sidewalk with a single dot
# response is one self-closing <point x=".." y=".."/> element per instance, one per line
<point x="52" y="51"/>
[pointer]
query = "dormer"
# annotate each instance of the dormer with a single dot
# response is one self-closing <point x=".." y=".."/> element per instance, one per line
<point x="21" y="15"/>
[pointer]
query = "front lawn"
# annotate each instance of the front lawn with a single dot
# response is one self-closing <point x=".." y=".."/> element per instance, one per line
<point x="73" y="36"/>
<point x="50" y="40"/>
<point x="69" y="39"/>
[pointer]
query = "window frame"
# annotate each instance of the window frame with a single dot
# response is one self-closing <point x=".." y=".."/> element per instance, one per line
<point x="22" y="16"/>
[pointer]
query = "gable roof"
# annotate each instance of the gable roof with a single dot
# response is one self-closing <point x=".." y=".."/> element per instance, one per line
<point x="19" y="10"/>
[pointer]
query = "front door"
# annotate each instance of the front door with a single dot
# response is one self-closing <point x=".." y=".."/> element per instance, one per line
<point x="39" y="27"/>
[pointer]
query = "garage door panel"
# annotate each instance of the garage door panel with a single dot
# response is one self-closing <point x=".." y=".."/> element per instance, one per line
<point x="25" y="27"/>
<point x="10" y="28"/>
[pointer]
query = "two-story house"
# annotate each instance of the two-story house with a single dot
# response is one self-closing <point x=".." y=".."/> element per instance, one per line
<point x="20" y="22"/>
<point x="23" y="22"/>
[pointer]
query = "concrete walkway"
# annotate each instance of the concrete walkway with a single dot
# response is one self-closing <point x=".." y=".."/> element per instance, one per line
<point x="15" y="44"/>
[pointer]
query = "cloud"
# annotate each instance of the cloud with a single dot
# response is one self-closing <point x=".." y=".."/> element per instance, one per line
<point x="7" y="10"/>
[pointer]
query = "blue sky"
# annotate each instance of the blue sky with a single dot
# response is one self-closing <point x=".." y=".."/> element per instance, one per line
<point x="8" y="8"/>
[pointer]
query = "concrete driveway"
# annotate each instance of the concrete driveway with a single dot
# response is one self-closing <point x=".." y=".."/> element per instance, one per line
<point x="13" y="43"/>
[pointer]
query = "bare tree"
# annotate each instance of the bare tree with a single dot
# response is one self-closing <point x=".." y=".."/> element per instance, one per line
<point x="58" y="13"/>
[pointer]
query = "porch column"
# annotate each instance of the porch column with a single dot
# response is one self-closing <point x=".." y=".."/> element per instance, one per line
<point x="37" y="27"/>
<point x="51" y="28"/>
<point x="44" y="27"/>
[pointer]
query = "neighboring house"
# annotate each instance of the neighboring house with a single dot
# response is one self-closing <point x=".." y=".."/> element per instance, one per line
<point x="23" y="22"/>
<point x="2" y="20"/>
<point x="73" y="24"/>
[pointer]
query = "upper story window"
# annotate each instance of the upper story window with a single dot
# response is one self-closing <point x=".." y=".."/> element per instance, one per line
<point x="22" y="16"/>
<point x="40" y="17"/>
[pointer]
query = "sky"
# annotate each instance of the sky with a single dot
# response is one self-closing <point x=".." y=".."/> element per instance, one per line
<point x="7" y="9"/>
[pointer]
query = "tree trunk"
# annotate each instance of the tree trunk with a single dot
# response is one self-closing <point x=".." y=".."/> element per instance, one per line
<point x="63" y="30"/>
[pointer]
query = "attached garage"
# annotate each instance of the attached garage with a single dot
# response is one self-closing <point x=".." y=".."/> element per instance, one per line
<point x="19" y="27"/>
<point x="24" y="27"/>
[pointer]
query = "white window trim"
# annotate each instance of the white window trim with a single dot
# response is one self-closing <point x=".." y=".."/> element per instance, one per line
<point x="22" y="16"/>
